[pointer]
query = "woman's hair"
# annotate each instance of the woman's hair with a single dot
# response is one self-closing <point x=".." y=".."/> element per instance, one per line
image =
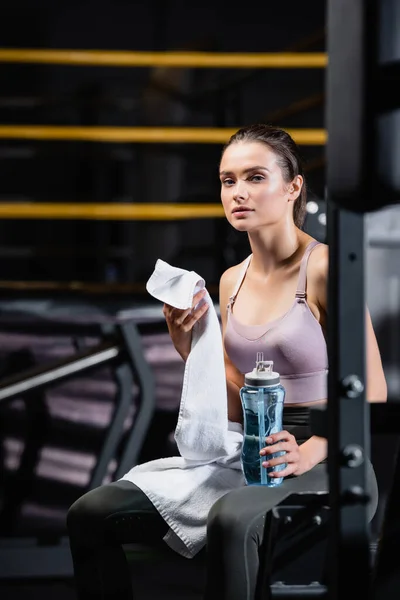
<point x="288" y="158"/>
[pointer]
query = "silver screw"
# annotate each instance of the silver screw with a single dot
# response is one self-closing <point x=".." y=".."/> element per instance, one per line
<point x="354" y="455"/>
<point x="353" y="386"/>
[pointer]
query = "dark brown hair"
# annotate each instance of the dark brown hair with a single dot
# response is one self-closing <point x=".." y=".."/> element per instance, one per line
<point x="288" y="158"/>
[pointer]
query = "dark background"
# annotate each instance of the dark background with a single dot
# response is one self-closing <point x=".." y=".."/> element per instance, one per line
<point x="64" y="171"/>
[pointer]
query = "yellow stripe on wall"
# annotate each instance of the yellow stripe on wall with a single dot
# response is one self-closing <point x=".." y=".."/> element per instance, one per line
<point x="124" y="212"/>
<point x="210" y="60"/>
<point x="159" y="135"/>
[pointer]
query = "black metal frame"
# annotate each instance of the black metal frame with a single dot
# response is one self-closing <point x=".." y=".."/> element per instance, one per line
<point x="295" y="537"/>
<point x="120" y="348"/>
<point x="348" y="411"/>
<point x="356" y="183"/>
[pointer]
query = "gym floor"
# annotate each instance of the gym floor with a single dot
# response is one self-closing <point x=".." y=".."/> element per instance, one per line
<point x="150" y="582"/>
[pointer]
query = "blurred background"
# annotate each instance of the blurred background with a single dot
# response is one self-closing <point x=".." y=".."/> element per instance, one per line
<point x="64" y="171"/>
<point x="109" y="162"/>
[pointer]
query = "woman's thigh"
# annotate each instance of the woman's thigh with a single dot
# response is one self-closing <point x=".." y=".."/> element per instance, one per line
<point x="245" y="504"/>
<point x="235" y="532"/>
<point x="242" y="506"/>
<point x="119" y="510"/>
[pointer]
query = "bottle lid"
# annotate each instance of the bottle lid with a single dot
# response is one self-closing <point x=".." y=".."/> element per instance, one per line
<point x="262" y="375"/>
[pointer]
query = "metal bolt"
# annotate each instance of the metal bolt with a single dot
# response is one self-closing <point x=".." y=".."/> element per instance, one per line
<point x="355" y="495"/>
<point x="352" y="386"/>
<point x="287" y="520"/>
<point x="317" y="519"/>
<point x="353" y="455"/>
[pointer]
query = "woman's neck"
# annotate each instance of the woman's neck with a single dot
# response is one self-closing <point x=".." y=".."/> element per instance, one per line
<point x="275" y="248"/>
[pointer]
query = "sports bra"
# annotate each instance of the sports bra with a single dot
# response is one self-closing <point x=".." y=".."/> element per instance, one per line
<point x="295" y="343"/>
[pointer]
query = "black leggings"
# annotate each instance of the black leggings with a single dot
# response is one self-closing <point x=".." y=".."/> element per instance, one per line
<point x="98" y="524"/>
<point x="236" y="527"/>
<point x="105" y="518"/>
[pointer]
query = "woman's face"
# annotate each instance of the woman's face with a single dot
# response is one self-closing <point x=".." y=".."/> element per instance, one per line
<point x="253" y="191"/>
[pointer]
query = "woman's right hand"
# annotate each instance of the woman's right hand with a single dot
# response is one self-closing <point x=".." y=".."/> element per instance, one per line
<point x="180" y="323"/>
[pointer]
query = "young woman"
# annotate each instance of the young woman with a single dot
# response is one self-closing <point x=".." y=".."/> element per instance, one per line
<point x="274" y="302"/>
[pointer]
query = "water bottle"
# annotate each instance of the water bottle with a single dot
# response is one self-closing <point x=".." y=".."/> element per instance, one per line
<point x="262" y="400"/>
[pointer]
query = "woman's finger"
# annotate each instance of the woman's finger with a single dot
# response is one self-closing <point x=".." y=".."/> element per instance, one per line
<point x="189" y="317"/>
<point x="279" y="447"/>
<point x="197" y="297"/>
<point x="166" y="309"/>
<point x="180" y="317"/>
<point x="277" y="437"/>
<point x="289" y="458"/>
<point x="170" y="312"/>
<point x="192" y="319"/>
<point x="177" y="314"/>
<point x="289" y="470"/>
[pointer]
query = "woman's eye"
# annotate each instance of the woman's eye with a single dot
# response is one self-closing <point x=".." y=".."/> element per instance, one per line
<point x="228" y="181"/>
<point x="256" y="178"/>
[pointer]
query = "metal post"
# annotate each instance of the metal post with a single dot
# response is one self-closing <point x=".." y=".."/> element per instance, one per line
<point x="348" y="412"/>
<point x="386" y="576"/>
<point x="349" y="163"/>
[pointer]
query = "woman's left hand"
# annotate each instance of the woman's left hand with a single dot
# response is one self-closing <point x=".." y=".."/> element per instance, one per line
<point x="283" y="441"/>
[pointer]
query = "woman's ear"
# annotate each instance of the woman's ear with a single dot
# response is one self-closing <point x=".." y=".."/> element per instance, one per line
<point x="295" y="187"/>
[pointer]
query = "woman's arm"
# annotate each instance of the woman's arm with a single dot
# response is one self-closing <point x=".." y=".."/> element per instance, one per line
<point x="376" y="388"/>
<point x="316" y="448"/>
<point x="313" y="451"/>
<point x="376" y="381"/>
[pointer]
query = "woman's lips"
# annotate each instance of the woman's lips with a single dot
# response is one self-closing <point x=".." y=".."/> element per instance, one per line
<point x="240" y="212"/>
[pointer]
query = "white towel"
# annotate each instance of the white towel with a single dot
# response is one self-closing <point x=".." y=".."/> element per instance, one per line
<point x="184" y="488"/>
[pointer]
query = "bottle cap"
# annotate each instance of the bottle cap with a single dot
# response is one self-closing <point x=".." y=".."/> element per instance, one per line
<point x="262" y="375"/>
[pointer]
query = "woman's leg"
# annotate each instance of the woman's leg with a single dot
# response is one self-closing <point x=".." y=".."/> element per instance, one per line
<point x="235" y="532"/>
<point x="98" y="524"/>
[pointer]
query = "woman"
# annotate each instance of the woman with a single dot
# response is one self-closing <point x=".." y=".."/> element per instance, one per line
<point x="274" y="302"/>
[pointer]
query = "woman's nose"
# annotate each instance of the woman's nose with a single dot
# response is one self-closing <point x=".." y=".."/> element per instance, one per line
<point x="240" y="192"/>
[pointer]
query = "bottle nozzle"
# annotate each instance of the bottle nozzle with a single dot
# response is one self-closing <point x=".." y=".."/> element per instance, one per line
<point x="263" y="365"/>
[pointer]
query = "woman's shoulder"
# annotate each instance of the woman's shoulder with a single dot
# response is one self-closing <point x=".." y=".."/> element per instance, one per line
<point x="318" y="261"/>
<point x="230" y="277"/>
<point x="317" y="274"/>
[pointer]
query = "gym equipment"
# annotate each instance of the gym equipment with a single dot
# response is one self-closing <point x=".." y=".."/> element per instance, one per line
<point x="361" y="177"/>
<point x="120" y="347"/>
